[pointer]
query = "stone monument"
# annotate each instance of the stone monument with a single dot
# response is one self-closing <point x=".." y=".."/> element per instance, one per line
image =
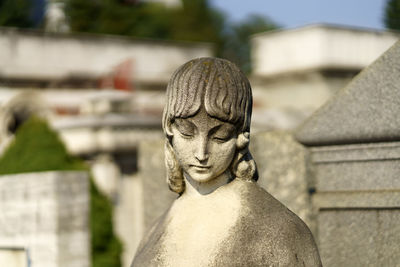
<point x="44" y="219"/>
<point x="354" y="140"/>
<point x="221" y="217"/>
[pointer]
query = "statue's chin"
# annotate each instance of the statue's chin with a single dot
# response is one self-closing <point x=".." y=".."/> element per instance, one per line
<point x="200" y="176"/>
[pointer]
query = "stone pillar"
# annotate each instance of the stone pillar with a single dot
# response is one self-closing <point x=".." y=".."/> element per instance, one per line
<point x="281" y="163"/>
<point x="47" y="214"/>
<point x="144" y="197"/>
<point x="157" y="197"/>
<point x="355" y="148"/>
<point x="106" y="175"/>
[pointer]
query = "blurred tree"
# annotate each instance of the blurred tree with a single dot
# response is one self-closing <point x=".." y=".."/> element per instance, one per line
<point x="392" y="14"/>
<point x="106" y="248"/>
<point x="237" y="47"/>
<point x="37" y="148"/>
<point x="117" y="17"/>
<point x="195" y="20"/>
<point x="16" y="13"/>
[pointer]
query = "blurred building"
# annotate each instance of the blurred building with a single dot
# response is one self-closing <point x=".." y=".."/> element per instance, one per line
<point x="87" y="82"/>
<point x="295" y="71"/>
<point x="103" y="94"/>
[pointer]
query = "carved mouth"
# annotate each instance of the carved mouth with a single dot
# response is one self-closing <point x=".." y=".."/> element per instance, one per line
<point x="200" y="167"/>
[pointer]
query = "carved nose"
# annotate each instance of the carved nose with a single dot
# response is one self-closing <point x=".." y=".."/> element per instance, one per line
<point x="201" y="153"/>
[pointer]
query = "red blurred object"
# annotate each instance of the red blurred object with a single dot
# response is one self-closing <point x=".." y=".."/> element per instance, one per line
<point x="59" y="110"/>
<point x="120" y="77"/>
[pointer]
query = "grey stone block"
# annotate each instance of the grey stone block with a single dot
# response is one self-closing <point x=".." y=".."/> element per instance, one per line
<point x="362" y="200"/>
<point x="357" y="167"/>
<point x="358" y="202"/>
<point x="48" y="214"/>
<point x="281" y="163"/>
<point x="157" y="197"/>
<point x="359" y="237"/>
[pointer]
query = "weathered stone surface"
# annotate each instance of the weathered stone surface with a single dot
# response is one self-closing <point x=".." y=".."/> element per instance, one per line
<point x="384" y="199"/>
<point x="282" y="166"/>
<point x="357" y="176"/>
<point x="157" y="198"/>
<point x="222" y="217"/>
<point x="358" y="202"/>
<point x="357" y="167"/>
<point x="363" y="237"/>
<point x="239" y="224"/>
<point x="364" y="111"/>
<point x="47" y="213"/>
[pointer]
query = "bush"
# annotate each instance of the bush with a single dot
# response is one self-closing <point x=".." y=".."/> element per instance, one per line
<point x="106" y="247"/>
<point x="37" y="148"/>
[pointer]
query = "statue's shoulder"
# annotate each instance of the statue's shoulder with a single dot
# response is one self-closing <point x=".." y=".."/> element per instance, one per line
<point x="150" y="245"/>
<point x="264" y="206"/>
<point x="271" y="231"/>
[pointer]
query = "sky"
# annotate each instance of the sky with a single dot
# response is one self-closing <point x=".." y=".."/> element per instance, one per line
<point x="296" y="13"/>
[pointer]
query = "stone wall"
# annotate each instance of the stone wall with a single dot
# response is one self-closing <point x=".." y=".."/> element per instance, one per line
<point x="156" y="195"/>
<point x="282" y="167"/>
<point x="47" y="213"/>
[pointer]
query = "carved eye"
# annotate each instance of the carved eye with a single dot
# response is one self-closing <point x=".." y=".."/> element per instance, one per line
<point x="222" y="136"/>
<point x="185" y="129"/>
<point x="223" y="133"/>
<point x="185" y="134"/>
<point x="221" y="139"/>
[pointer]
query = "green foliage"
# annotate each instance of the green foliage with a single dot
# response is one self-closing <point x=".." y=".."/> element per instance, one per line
<point x="116" y="17"/>
<point x="16" y="13"/>
<point x="149" y="20"/>
<point x="197" y="21"/>
<point x="237" y="48"/>
<point x="37" y="148"/>
<point x="392" y="15"/>
<point x="106" y="248"/>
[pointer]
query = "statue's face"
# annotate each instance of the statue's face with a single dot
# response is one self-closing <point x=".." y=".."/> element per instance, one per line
<point x="204" y="146"/>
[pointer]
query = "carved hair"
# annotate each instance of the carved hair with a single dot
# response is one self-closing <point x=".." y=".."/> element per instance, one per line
<point x="223" y="91"/>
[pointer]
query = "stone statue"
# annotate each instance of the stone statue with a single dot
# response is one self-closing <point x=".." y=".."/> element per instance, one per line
<point x="221" y="217"/>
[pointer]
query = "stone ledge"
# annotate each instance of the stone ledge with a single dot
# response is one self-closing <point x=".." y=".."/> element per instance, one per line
<point x="357" y="152"/>
<point x="357" y="200"/>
